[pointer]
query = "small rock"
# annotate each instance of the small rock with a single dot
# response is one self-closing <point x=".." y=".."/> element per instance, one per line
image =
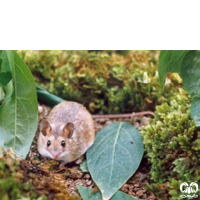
<point x="40" y="109"/>
<point x="144" y="196"/>
<point x="109" y="122"/>
<point x="89" y="183"/>
<point x="102" y="121"/>
<point x="125" y="190"/>
<point x="137" y="185"/>
<point x="79" y="182"/>
<point x="137" y="125"/>
<point x="87" y="176"/>
<point x="136" y="189"/>
<point x="140" y="193"/>
<point x="143" y="177"/>
<point x="144" y="121"/>
<point x="129" y="192"/>
<point x="79" y="161"/>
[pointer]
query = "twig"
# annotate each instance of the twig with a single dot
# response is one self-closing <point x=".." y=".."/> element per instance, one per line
<point x="124" y="115"/>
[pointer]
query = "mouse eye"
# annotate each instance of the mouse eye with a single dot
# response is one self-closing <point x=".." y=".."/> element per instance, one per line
<point x="63" y="143"/>
<point x="48" y="143"/>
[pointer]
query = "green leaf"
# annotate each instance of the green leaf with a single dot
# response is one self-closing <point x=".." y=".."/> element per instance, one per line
<point x="195" y="110"/>
<point x="114" y="156"/>
<point x="5" y="66"/>
<point x="0" y="62"/>
<point x="84" y="166"/>
<point x="10" y="57"/>
<point x="190" y="72"/>
<point x="121" y="195"/>
<point x="5" y="78"/>
<point x="5" y="71"/>
<point x="48" y="98"/>
<point x="176" y="59"/>
<point x="19" y="111"/>
<point x="88" y="194"/>
<point x="2" y="94"/>
<point x="169" y="61"/>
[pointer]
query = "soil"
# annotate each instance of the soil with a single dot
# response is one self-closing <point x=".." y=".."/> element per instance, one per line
<point x="51" y="177"/>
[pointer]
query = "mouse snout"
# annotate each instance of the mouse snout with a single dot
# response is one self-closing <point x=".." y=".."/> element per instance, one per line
<point x="55" y="154"/>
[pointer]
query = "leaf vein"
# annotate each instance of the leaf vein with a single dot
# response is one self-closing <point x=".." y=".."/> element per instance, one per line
<point x="101" y="141"/>
<point x="99" y="156"/>
<point x="113" y="153"/>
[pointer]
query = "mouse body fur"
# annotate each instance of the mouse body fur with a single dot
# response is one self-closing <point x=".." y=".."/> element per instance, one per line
<point x="67" y="133"/>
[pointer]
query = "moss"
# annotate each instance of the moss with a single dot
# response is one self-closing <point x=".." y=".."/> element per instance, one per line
<point x="105" y="82"/>
<point x="172" y="145"/>
<point x="29" y="180"/>
<point x="10" y="186"/>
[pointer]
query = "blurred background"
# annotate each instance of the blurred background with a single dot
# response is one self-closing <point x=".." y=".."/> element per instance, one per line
<point x="104" y="81"/>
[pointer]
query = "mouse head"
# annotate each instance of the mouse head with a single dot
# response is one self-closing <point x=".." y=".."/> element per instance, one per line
<point x="56" y="139"/>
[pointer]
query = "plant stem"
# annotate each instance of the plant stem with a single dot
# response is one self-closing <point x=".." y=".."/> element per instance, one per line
<point x="124" y="115"/>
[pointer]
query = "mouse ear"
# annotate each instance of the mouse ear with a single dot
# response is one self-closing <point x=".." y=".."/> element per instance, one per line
<point x="45" y="127"/>
<point x="68" y="129"/>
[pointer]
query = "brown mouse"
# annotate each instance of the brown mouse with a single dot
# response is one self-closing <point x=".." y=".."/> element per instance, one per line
<point x="67" y="133"/>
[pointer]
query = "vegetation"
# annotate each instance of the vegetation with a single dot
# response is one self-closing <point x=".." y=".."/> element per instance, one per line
<point x="172" y="143"/>
<point x="88" y="194"/>
<point x="31" y="180"/>
<point x="20" y="100"/>
<point x="11" y="185"/>
<point x="19" y="110"/>
<point x="187" y="64"/>
<point x="114" y="157"/>
<point x="105" y="82"/>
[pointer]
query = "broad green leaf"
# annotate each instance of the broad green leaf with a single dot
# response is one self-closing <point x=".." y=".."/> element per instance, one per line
<point x="47" y="97"/>
<point x="5" y="71"/>
<point x="10" y="58"/>
<point x="176" y="59"/>
<point x="195" y="110"/>
<point x="123" y="196"/>
<point x="19" y="111"/>
<point x="163" y="65"/>
<point x="5" y="77"/>
<point x="9" y="89"/>
<point x="114" y="156"/>
<point x="5" y="66"/>
<point x="88" y="194"/>
<point x="190" y="72"/>
<point x="169" y="61"/>
<point x="84" y="166"/>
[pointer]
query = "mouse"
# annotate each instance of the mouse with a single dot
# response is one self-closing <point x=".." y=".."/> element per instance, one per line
<point x="67" y="133"/>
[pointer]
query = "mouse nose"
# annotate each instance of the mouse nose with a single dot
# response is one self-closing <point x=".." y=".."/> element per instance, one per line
<point x="55" y="155"/>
